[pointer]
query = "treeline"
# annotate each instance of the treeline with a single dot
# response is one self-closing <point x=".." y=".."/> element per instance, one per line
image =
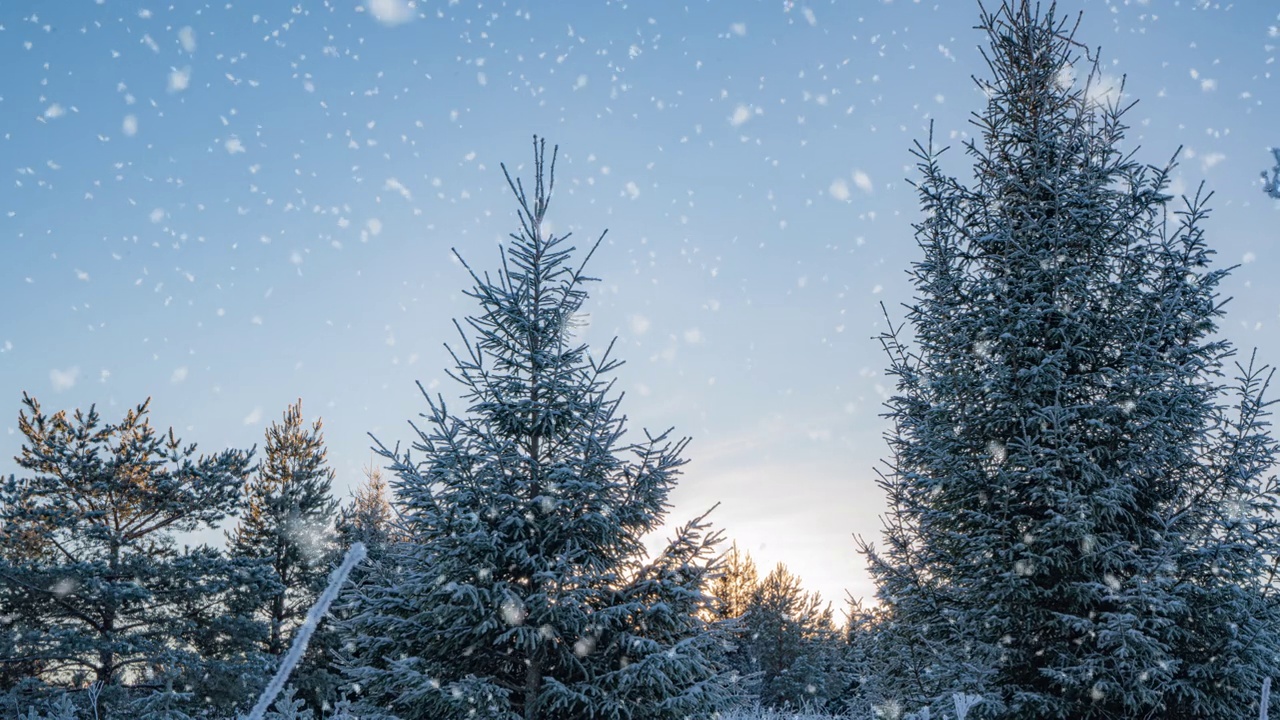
<point x="506" y="572"/>
<point x="103" y="611"/>
<point x="101" y="607"/>
<point x="1083" y="518"/>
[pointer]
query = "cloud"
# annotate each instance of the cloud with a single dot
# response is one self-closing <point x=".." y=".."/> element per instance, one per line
<point x="391" y="12"/>
<point x="693" y="336"/>
<point x="64" y="379"/>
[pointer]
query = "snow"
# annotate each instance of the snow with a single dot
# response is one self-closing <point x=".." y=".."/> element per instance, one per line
<point x="337" y="579"/>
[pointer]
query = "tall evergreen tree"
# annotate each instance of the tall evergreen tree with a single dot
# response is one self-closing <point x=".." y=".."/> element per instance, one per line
<point x="287" y="525"/>
<point x="288" y="522"/>
<point x="1079" y="523"/>
<point x="734" y="585"/>
<point x="523" y="589"/>
<point x="368" y="517"/>
<point x="792" y="643"/>
<point x="732" y="589"/>
<point x="92" y="582"/>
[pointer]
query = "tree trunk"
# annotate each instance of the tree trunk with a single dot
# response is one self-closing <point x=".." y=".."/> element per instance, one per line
<point x="532" y="686"/>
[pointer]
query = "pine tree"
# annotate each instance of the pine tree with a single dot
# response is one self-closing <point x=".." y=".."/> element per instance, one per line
<point x="1079" y="524"/>
<point x="792" y="643"/>
<point x="92" y="581"/>
<point x="368" y="517"/>
<point x="288" y="526"/>
<point x="731" y="591"/>
<point x="523" y="590"/>
<point x="733" y="587"/>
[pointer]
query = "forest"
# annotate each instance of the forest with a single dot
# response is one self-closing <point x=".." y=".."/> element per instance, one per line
<point x="1080" y="502"/>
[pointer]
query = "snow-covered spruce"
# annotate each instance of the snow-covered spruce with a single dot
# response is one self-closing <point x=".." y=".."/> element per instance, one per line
<point x="1080" y="523"/>
<point x="522" y="589"/>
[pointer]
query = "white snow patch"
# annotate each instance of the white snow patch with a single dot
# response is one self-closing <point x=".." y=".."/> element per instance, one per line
<point x="179" y="374"/>
<point x="130" y="125"/>
<point x="639" y="324"/>
<point x="513" y="612"/>
<point x="254" y="417"/>
<point x="233" y="146"/>
<point x="862" y="181"/>
<point x="54" y="111"/>
<point x="739" y="29"/>
<point x="394" y="184"/>
<point x="179" y="80"/>
<point x="187" y="37"/>
<point x="64" y="587"/>
<point x="741" y="114"/>
<point x="633" y="191"/>
<point x="693" y="336"/>
<point x="839" y="189"/>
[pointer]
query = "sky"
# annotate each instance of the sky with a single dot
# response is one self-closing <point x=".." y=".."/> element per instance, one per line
<point x="229" y="206"/>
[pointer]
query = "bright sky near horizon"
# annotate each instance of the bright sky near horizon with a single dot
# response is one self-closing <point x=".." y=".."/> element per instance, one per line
<point x="227" y="206"/>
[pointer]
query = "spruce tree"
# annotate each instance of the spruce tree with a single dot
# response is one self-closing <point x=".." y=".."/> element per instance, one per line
<point x="95" y="590"/>
<point x="522" y="589"/>
<point x="287" y="526"/>
<point x="1080" y="524"/>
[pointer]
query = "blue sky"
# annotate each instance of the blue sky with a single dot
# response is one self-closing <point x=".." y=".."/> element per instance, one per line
<point x="228" y="206"/>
